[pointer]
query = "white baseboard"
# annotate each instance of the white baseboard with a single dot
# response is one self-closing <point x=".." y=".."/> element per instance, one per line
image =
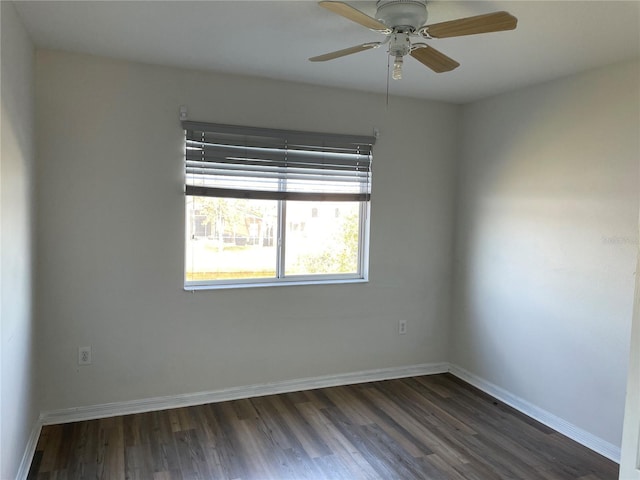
<point x="185" y="400"/>
<point x="29" y="451"/>
<point x="581" y="436"/>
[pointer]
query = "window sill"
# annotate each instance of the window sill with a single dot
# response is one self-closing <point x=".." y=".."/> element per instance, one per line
<point x="227" y="286"/>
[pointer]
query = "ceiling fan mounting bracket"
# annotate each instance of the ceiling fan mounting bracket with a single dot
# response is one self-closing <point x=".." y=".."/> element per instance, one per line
<point x="424" y="32"/>
<point x="402" y="15"/>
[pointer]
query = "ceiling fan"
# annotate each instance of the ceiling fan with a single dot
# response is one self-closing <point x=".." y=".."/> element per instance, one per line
<point x="404" y="20"/>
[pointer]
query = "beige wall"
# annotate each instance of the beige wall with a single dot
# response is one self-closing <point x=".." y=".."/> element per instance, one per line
<point x="110" y="240"/>
<point x="18" y="400"/>
<point x="546" y="244"/>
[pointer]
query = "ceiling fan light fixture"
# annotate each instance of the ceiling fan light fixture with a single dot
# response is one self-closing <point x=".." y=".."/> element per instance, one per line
<point x="397" y="68"/>
<point x="399" y="44"/>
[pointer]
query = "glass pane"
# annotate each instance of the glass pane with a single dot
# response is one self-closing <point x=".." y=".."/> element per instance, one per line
<point x="229" y="238"/>
<point x="322" y="237"/>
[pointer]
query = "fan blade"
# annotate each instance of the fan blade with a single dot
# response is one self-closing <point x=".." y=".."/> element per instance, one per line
<point x="355" y="15"/>
<point x="344" y="52"/>
<point x="490" y="22"/>
<point x="435" y="60"/>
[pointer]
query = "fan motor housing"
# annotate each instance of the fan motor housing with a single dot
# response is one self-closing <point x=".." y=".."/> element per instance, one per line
<point x="402" y="14"/>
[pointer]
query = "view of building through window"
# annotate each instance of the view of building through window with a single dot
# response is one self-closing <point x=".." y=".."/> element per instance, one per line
<point x="237" y="239"/>
<point x="325" y="243"/>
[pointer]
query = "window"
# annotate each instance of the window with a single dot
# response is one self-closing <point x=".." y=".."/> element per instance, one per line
<point x="267" y="206"/>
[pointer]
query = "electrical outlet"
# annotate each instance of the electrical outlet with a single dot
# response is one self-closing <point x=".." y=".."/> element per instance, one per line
<point x="84" y="355"/>
<point x="402" y="327"/>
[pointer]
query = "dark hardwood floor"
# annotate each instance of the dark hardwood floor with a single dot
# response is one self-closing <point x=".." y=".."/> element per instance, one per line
<point x="430" y="427"/>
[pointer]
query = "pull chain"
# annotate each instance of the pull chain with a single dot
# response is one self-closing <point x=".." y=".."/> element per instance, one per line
<point x="388" y="67"/>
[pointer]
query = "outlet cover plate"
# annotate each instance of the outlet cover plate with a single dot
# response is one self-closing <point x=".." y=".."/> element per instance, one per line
<point x="84" y="355"/>
<point x="402" y="327"/>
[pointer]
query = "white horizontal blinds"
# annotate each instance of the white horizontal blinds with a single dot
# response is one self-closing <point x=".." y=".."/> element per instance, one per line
<point x="248" y="162"/>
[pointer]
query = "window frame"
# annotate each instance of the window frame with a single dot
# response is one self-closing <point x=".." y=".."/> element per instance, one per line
<point x="281" y="278"/>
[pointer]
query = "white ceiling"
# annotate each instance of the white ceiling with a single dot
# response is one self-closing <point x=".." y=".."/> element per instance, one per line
<point x="274" y="39"/>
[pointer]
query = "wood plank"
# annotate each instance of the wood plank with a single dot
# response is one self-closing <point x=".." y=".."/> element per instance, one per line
<point x="227" y="443"/>
<point x="114" y="454"/>
<point x="416" y="428"/>
<point x="355" y="462"/>
<point x="308" y="437"/>
<point x="278" y="437"/>
<point x="385" y="418"/>
<point x="193" y="462"/>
